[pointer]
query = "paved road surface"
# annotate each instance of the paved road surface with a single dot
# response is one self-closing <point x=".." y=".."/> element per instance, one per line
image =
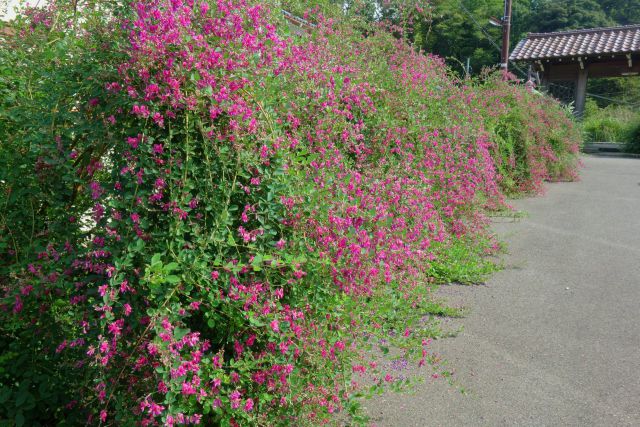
<point x="554" y="339"/>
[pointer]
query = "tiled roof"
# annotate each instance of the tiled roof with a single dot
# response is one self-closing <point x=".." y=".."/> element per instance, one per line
<point x="297" y="21"/>
<point x="591" y="42"/>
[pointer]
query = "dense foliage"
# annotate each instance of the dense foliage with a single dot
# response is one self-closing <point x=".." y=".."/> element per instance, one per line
<point x="609" y="124"/>
<point x="459" y="29"/>
<point x="612" y="124"/>
<point x="205" y="219"/>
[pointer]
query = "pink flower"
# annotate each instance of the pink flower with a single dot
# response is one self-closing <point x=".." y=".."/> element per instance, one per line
<point x="141" y="111"/>
<point x="248" y="406"/>
<point x="204" y="8"/>
<point x="251" y="340"/>
<point x="275" y="326"/>
<point x="96" y="190"/>
<point x="102" y="290"/>
<point x="235" y="399"/>
<point x="124" y="286"/>
<point x="187" y="389"/>
<point x="264" y="151"/>
<point x="166" y="325"/>
<point x="155" y="409"/>
<point x="181" y="213"/>
<point x="158" y="119"/>
<point x="134" y="142"/>
<point x="116" y="327"/>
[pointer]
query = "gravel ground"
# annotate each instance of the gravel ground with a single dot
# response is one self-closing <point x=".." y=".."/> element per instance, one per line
<point x="554" y="338"/>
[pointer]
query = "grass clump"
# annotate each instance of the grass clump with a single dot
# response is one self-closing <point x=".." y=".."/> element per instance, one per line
<point x="614" y="123"/>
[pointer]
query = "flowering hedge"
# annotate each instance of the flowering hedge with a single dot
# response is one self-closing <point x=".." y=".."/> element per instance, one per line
<point x="207" y="220"/>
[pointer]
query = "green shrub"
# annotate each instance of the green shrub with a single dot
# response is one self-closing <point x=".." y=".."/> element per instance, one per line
<point x="207" y="219"/>
<point x="633" y="143"/>
<point x="610" y="124"/>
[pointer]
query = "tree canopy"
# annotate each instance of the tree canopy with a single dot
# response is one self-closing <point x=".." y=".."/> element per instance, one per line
<point x="460" y="29"/>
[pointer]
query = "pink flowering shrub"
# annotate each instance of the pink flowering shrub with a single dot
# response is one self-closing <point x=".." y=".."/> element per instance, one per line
<point x="222" y="219"/>
<point x="535" y="140"/>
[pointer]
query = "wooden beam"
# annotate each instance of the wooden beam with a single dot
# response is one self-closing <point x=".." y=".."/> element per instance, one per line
<point x="581" y="93"/>
<point x="617" y="67"/>
<point x="557" y="72"/>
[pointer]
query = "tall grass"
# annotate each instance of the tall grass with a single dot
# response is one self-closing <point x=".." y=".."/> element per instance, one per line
<point x="614" y="123"/>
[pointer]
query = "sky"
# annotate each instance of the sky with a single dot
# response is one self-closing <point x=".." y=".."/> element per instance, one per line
<point x="7" y="8"/>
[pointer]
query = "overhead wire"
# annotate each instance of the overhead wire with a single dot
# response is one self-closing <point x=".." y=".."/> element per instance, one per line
<point x="482" y="29"/>
<point x="488" y="36"/>
<point x="594" y="95"/>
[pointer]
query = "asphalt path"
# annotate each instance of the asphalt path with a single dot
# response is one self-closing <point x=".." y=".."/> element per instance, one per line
<point x="554" y="338"/>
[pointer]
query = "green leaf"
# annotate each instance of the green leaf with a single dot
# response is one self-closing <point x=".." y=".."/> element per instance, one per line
<point x="156" y="259"/>
<point x="171" y="266"/>
<point x="256" y="322"/>
<point x="5" y="394"/>
<point x="179" y="333"/>
<point x="19" y="420"/>
<point x="22" y="396"/>
<point x="172" y="279"/>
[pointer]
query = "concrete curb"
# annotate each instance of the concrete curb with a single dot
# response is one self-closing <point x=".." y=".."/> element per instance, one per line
<point x="607" y="149"/>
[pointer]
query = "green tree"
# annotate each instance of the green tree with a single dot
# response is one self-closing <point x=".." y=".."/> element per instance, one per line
<point x="558" y="15"/>
<point x="457" y="31"/>
<point x="623" y="12"/>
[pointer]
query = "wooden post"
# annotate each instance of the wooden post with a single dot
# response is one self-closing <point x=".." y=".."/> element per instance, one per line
<point x="506" y="32"/>
<point x="581" y="93"/>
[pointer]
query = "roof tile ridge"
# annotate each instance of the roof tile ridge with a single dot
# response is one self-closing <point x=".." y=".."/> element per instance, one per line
<point x="584" y="31"/>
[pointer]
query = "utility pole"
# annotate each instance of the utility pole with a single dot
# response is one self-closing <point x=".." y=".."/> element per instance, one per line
<point x="506" y="32"/>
